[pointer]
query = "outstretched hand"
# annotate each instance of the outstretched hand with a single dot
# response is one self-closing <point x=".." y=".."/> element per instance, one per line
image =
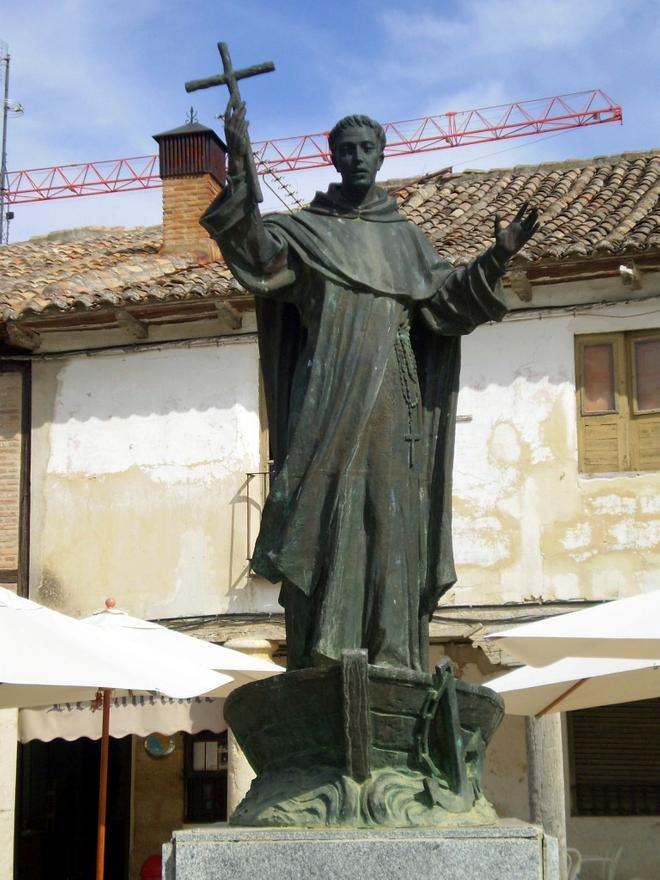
<point x="510" y="239"/>
<point x="236" y="136"/>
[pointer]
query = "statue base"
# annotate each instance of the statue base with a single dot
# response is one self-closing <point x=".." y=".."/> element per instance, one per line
<point x="498" y="852"/>
<point x="355" y="745"/>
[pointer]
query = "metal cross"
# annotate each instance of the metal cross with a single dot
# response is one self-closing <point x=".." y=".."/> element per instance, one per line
<point x="412" y="439"/>
<point x="230" y="78"/>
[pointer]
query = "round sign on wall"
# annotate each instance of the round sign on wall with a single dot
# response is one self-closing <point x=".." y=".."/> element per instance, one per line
<point x="158" y="745"/>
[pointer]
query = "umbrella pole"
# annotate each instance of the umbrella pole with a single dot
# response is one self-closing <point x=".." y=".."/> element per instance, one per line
<point x="103" y="785"/>
<point x="561" y="697"/>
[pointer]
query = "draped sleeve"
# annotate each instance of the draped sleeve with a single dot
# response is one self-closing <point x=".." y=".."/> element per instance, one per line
<point x="466" y="297"/>
<point x="258" y="256"/>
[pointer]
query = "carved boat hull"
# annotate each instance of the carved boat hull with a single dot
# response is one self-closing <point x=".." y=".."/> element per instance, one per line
<point x="352" y="744"/>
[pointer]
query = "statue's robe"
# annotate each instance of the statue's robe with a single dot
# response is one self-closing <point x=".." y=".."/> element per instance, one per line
<point x="359" y="325"/>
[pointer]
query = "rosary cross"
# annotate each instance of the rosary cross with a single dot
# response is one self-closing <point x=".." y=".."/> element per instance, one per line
<point x="230" y="78"/>
<point x="412" y="439"/>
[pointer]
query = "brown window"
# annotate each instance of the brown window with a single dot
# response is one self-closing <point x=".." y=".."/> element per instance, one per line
<point x="205" y="770"/>
<point x="618" y="396"/>
<point x="615" y="760"/>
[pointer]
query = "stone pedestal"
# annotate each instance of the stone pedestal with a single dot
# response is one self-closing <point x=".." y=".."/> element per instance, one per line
<point x="504" y="851"/>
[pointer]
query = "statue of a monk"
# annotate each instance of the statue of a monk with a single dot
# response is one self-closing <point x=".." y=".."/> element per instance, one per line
<point x="359" y="336"/>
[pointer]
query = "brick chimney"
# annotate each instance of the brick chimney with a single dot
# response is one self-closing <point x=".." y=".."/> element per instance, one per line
<point x="192" y="168"/>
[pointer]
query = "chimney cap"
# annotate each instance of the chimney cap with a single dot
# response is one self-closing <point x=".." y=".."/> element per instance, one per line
<point x="190" y="128"/>
<point x="191" y="149"/>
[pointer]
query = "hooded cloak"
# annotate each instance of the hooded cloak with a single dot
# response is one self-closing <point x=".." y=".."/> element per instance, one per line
<point x="359" y="324"/>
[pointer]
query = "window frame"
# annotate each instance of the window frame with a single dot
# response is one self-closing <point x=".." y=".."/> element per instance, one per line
<point x="192" y="779"/>
<point x="626" y="424"/>
<point x="640" y="336"/>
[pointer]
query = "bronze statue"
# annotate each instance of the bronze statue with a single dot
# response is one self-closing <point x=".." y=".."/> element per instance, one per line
<point x="359" y="325"/>
<point x="359" y="333"/>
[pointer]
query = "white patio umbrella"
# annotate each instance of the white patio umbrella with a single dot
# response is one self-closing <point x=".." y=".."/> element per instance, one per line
<point x="625" y="628"/>
<point x="241" y="667"/>
<point x="577" y="683"/>
<point x="145" y="715"/>
<point x="48" y="657"/>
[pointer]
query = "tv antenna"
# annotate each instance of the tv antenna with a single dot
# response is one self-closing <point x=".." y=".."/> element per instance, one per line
<point x="8" y="107"/>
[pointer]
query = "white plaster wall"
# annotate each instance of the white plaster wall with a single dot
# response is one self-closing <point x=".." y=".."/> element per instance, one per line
<point x="138" y="480"/>
<point x="139" y="490"/>
<point x="526" y="523"/>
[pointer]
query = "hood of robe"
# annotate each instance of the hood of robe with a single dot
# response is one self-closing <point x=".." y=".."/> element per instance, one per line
<point x="371" y="248"/>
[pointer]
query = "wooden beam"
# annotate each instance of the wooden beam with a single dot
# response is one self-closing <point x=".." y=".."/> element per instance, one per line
<point x="228" y="316"/>
<point x="22" y="337"/>
<point x="128" y="322"/>
<point x="223" y="627"/>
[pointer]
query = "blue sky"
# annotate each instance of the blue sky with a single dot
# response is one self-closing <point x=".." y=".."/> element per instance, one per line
<point x="97" y="79"/>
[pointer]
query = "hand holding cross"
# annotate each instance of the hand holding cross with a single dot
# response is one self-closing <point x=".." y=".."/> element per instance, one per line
<point x="238" y="141"/>
<point x="237" y="138"/>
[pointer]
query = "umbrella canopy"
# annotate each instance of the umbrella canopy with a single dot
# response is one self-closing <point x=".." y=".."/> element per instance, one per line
<point x="47" y="657"/>
<point x="142" y="715"/>
<point x="577" y="683"/>
<point x="241" y="667"/>
<point x="625" y="628"/>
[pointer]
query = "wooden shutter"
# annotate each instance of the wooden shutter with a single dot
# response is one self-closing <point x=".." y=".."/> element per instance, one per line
<point x="644" y="430"/>
<point x="602" y="416"/>
<point x="14" y="475"/>
<point x="615" y="759"/>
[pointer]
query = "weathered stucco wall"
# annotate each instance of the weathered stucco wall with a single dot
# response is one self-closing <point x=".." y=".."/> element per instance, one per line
<point x="139" y="462"/>
<point x="526" y="523"/>
<point x="138" y="480"/>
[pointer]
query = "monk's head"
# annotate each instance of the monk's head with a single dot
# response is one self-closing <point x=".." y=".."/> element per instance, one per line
<point x="356" y="147"/>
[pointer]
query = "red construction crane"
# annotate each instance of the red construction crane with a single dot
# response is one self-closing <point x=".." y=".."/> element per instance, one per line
<point x="283" y="155"/>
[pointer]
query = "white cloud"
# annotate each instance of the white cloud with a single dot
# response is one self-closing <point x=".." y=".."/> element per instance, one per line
<point x="505" y="28"/>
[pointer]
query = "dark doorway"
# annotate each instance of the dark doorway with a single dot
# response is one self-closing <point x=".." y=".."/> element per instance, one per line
<point x="57" y="809"/>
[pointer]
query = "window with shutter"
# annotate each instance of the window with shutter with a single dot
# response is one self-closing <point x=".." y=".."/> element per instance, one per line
<point x="205" y="772"/>
<point x="645" y="380"/>
<point x="618" y="401"/>
<point x="615" y="760"/>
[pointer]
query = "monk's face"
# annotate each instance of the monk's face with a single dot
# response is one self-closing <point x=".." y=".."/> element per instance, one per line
<point x="357" y="157"/>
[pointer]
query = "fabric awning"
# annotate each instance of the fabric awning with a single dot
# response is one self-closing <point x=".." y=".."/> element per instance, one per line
<point x="140" y="715"/>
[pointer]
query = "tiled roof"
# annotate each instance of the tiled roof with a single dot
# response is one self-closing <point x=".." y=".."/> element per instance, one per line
<point x="108" y="268"/>
<point x="589" y="208"/>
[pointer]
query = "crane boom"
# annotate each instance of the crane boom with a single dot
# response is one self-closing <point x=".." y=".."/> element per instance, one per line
<point x="285" y="155"/>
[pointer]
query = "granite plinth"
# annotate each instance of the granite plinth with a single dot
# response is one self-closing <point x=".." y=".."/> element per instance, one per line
<point x="507" y="851"/>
